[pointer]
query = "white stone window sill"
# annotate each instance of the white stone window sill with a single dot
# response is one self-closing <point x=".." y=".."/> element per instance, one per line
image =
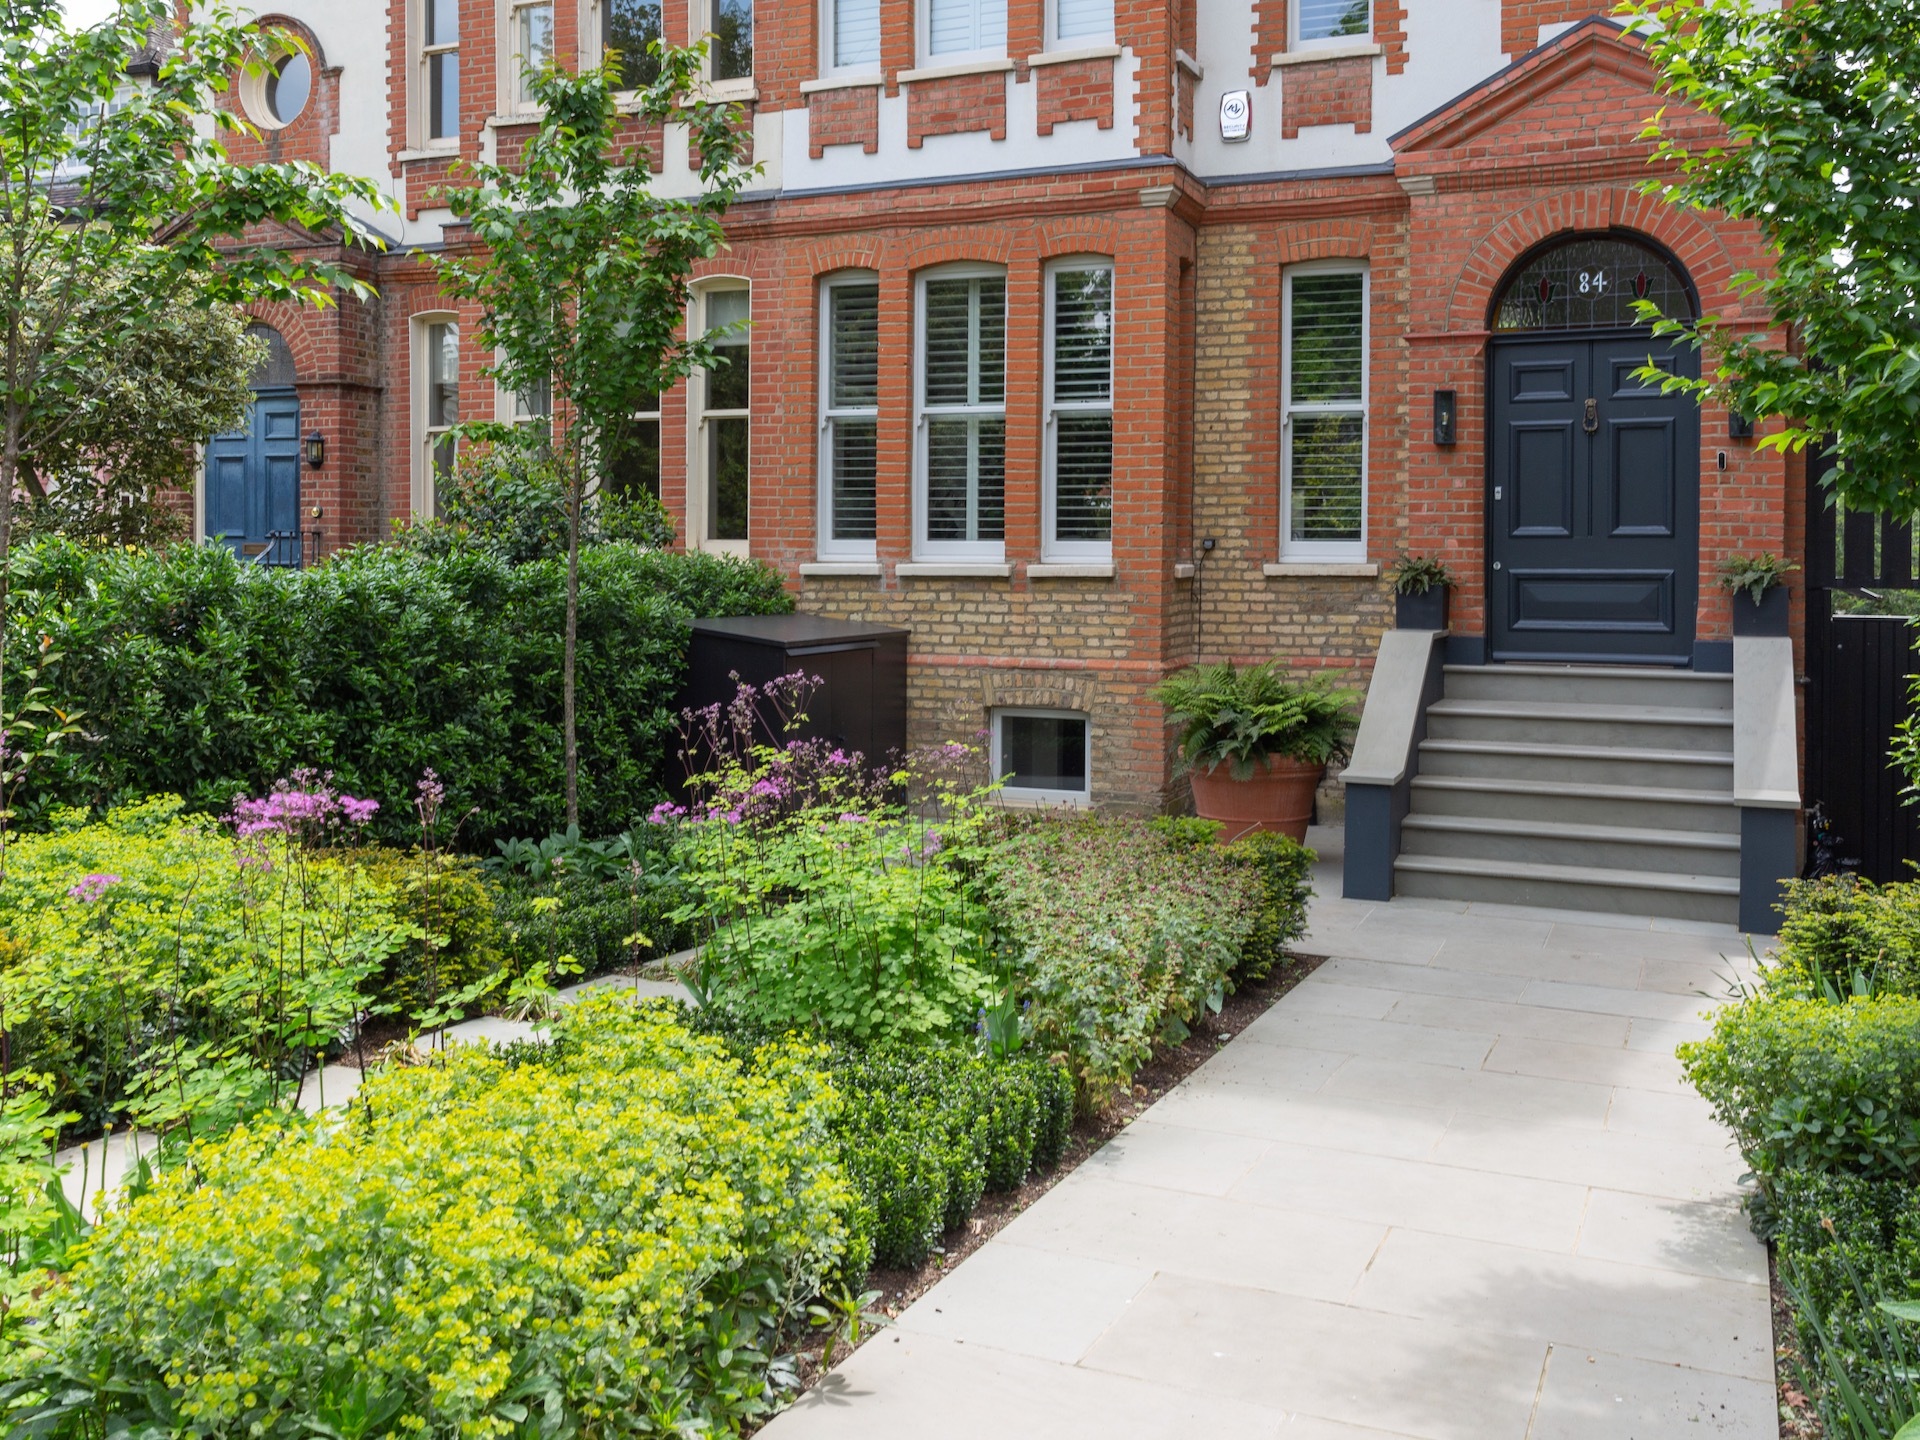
<point x="1361" y="50"/>
<point x="1067" y="57"/>
<point x="948" y="72"/>
<point x="841" y="82"/>
<point x="1320" y="570"/>
<point x="1071" y="570"/>
<point x="724" y="91"/>
<point x="1187" y="63"/>
<point x="1185" y="569"/>
<point x="449" y="151"/>
<point x="845" y="569"/>
<point x="1011" y="801"/>
<point x="952" y="570"/>
<point x="517" y="117"/>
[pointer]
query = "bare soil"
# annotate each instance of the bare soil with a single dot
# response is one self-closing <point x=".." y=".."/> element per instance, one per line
<point x="1798" y="1419"/>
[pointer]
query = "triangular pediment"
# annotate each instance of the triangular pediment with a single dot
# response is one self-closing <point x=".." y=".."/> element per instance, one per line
<point x="1595" y="78"/>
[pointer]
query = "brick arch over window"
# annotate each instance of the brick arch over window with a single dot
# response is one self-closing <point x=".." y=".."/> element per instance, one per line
<point x="297" y="327"/>
<point x="1012" y="690"/>
<point x="829" y="258"/>
<point x="309" y="135"/>
<point x="1701" y="253"/>
<point x="1082" y="237"/>
<point x="1327" y="240"/>
<point x="966" y="250"/>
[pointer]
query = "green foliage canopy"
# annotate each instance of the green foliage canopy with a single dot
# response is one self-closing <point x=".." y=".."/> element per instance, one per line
<point x="1821" y="151"/>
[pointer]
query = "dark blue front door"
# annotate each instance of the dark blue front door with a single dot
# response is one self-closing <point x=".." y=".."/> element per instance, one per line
<point x="1594" y="519"/>
<point x="253" y="481"/>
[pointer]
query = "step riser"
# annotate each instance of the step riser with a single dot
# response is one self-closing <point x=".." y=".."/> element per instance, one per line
<point x="1559" y="895"/>
<point x="1592" y="688"/>
<point x="1545" y="730"/>
<point x="1517" y="764"/>
<point x="1568" y="850"/>
<point x="1721" y="819"/>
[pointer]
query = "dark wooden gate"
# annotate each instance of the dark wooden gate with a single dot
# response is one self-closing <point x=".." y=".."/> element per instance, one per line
<point x="1858" y="669"/>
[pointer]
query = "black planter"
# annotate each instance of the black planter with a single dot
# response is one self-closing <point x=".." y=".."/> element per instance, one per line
<point x="1422" y="611"/>
<point x="1769" y="617"/>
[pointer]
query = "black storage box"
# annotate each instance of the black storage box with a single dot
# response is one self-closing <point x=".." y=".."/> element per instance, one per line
<point x="862" y="701"/>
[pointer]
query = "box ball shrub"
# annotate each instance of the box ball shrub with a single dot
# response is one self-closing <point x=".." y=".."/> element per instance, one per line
<point x="607" y="1240"/>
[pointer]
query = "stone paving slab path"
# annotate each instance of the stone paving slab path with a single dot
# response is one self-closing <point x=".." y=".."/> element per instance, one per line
<point x="1451" y="1187"/>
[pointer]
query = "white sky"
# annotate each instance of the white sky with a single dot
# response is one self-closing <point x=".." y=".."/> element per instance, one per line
<point x="88" y="12"/>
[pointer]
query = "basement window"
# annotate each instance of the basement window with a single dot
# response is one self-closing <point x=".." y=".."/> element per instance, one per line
<point x="1042" y="755"/>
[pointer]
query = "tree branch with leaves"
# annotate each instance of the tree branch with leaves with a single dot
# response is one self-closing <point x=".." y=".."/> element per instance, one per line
<point x="1820" y="149"/>
<point x="583" y="273"/>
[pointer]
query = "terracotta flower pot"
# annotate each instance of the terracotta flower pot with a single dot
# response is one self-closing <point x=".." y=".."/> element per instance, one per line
<point x="1277" y="796"/>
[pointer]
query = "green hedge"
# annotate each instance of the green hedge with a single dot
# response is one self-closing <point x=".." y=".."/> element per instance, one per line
<point x="1810" y="1085"/>
<point x="612" y="1240"/>
<point x="203" y="677"/>
<point x="924" y="1130"/>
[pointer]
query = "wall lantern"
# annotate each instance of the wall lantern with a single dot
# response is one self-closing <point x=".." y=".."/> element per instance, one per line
<point x="316" y="446"/>
<point x="1446" y="416"/>
<point x="1739" y="427"/>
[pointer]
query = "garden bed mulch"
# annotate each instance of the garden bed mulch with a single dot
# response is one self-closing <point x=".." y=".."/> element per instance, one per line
<point x="900" y="1288"/>
<point x="1798" y="1419"/>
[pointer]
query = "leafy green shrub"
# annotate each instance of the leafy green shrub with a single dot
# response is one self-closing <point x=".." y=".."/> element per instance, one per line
<point x="608" y="1241"/>
<point x="1283" y="869"/>
<point x="1238" y="715"/>
<point x="925" y="1129"/>
<point x="1120" y="937"/>
<point x="1843" y="935"/>
<point x="204" y="677"/>
<point x="823" y="901"/>
<point x="617" y="898"/>
<point x="150" y="946"/>
<point x="1812" y="1085"/>
<point x="1847" y="1244"/>
<point x="446" y="898"/>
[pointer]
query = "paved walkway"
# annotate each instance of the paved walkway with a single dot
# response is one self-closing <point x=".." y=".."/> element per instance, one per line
<point x="1451" y="1187"/>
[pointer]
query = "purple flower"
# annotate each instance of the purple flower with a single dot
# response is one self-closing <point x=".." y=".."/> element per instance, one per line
<point x="358" y="812"/>
<point x="838" y="757"/>
<point x="92" y="887"/>
<point x="849" y="818"/>
<point x="665" y="811"/>
<point x="769" y="789"/>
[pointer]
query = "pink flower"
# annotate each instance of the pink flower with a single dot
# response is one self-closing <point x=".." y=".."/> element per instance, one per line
<point x="664" y="812"/>
<point x="92" y="887"/>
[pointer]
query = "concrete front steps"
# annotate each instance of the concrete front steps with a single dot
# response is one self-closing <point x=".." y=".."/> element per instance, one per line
<point x="1590" y="788"/>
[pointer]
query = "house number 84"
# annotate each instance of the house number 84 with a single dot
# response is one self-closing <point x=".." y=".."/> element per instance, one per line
<point x="1593" y="282"/>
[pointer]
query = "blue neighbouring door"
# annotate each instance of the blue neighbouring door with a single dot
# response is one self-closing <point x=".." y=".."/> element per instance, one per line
<point x="253" y="481"/>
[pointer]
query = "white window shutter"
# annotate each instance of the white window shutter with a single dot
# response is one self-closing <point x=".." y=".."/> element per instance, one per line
<point x="1083" y="19"/>
<point x="856" y="32"/>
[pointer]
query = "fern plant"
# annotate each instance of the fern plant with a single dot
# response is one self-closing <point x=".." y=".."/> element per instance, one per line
<point x="1238" y="716"/>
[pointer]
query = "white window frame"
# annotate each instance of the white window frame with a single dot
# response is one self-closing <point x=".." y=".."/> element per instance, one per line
<point x="698" y="520"/>
<point x="829" y="14"/>
<point x="422" y="106"/>
<point x="991" y="552"/>
<point x="513" y="99"/>
<point x="1294" y="42"/>
<point x="423" y="477"/>
<point x="509" y="406"/>
<point x="828" y="548"/>
<point x="1027" y="794"/>
<point x="706" y="14"/>
<point x="1052" y="548"/>
<point x="593" y="35"/>
<point x="1055" y="41"/>
<point x="923" y="40"/>
<point x="1332" y="551"/>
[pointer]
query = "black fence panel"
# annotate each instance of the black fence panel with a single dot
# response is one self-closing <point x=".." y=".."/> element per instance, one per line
<point x="1859" y="686"/>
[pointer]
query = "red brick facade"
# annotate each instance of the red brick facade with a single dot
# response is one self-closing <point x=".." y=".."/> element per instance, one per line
<point x="1547" y="148"/>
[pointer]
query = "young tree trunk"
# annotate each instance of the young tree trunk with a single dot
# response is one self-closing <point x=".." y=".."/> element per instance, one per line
<point x="574" y="484"/>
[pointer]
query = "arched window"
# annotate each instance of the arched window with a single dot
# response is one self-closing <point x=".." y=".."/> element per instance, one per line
<point x="277" y="368"/>
<point x="1592" y="283"/>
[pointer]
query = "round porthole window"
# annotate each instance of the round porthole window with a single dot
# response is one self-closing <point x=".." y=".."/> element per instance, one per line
<point x="289" y="81"/>
<point x="275" y="91"/>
